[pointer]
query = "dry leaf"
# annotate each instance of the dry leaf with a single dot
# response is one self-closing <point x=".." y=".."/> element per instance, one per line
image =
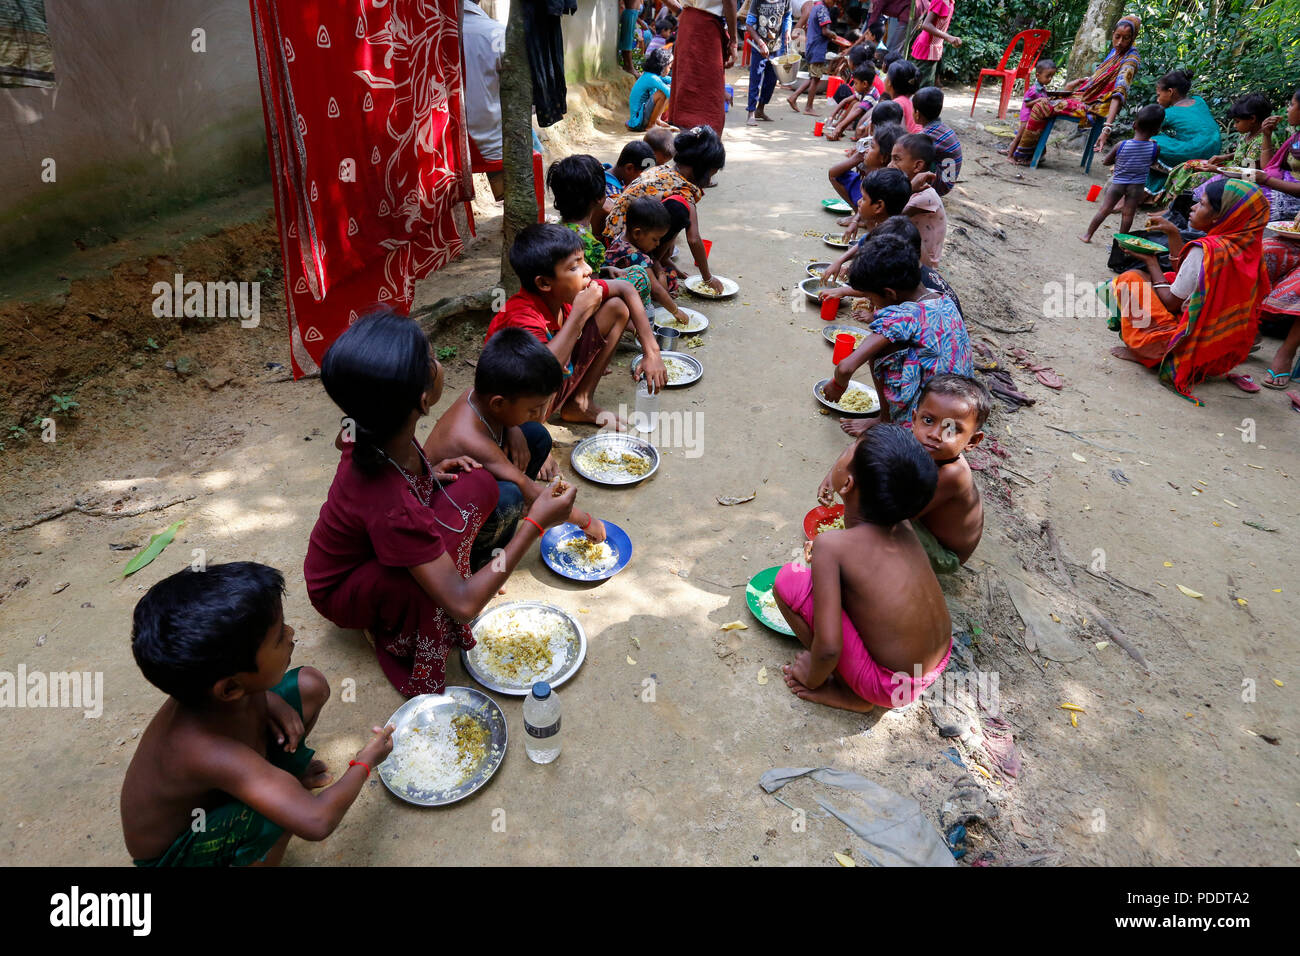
<point x="1190" y="593"/>
<point x="1169" y="564"/>
<point x="1241" y="601"/>
<point x="1074" y="720"/>
<point x="1278" y="682"/>
<point x="734" y="626"/>
<point x="736" y="500"/>
<point x="630" y="661"/>
<point x="1227" y="502"/>
<point x="637" y="642"/>
<point x="843" y="860"/>
<point x="1102" y="645"/>
<point x="1077" y="457"/>
<point x="762" y="675"/>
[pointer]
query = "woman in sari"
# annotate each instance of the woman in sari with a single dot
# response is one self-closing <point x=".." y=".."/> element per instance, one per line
<point x="1280" y="177"/>
<point x="1282" y="261"/>
<point x="1190" y="131"/>
<point x="1202" y="321"/>
<point x="1247" y="114"/>
<point x="1096" y="96"/>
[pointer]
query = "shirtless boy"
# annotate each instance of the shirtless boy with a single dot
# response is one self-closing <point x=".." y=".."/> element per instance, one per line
<point x="869" y="610"/>
<point x="221" y="776"/>
<point x="949" y="419"/>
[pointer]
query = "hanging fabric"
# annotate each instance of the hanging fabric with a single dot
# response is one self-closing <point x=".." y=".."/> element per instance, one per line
<point x="544" y="37"/>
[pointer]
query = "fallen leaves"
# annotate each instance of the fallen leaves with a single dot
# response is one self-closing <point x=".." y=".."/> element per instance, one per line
<point x="762" y="675"/>
<point x="728" y="500"/>
<point x="1190" y="593"/>
<point x="734" y="626"/>
<point x="843" y="859"/>
<point x="1077" y="457"/>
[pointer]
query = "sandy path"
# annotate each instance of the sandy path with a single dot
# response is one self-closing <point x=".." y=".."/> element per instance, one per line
<point x="1169" y="759"/>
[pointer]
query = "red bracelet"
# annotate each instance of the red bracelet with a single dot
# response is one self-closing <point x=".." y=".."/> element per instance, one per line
<point x="359" y="763"/>
<point x="590" y="518"/>
<point x="539" y="528"/>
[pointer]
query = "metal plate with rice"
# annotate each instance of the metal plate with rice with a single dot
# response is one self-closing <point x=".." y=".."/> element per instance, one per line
<point x="853" y="387"/>
<point x="813" y="285"/>
<point x="695" y="286"/>
<point x="559" y="545"/>
<point x="504" y="672"/>
<point x="832" y="329"/>
<point x="610" y="446"/>
<point x="429" y="716"/>
<point x="1283" y="229"/>
<point x="817" y="268"/>
<point x="694" y="368"/>
<point x="664" y="319"/>
<point x="837" y="241"/>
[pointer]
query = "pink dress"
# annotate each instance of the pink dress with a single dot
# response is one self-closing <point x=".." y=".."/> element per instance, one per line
<point x="927" y="45"/>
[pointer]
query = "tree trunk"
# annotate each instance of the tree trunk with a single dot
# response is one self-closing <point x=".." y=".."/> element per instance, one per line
<point x="517" y="141"/>
<point x="1093" y="39"/>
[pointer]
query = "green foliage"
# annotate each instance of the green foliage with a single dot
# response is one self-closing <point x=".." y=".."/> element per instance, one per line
<point x="151" y="344"/>
<point x="446" y="353"/>
<point x="987" y="26"/>
<point x="63" y="404"/>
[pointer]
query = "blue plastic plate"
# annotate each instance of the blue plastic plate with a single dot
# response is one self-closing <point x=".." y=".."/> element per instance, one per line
<point x="562" y="563"/>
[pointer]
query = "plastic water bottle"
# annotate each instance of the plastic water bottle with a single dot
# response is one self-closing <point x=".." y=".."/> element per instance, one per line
<point x="542" y="724"/>
<point x="646" y="416"/>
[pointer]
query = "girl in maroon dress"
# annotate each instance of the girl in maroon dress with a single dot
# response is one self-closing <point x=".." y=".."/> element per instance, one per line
<point x="390" y="550"/>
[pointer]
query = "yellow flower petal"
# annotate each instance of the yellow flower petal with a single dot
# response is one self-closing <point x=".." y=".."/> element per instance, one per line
<point x="1190" y="593"/>
<point x="1278" y="682"/>
<point x="1077" y="457"/>
<point x="630" y="661"/>
<point x="734" y="626"/>
<point x="843" y="860"/>
<point x="1169" y="564"/>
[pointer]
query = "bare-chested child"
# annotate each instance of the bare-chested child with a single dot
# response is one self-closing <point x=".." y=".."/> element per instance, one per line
<point x="498" y="423"/>
<point x="949" y="419"/>
<point x="869" y="610"/>
<point x="221" y="776"/>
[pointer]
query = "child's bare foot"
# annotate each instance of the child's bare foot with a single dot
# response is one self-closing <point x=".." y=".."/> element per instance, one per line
<point x="582" y="413"/>
<point x="1125" y="353"/>
<point x="1085" y="238"/>
<point x="832" y="694"/>
<point x="1017" y="162"/>
<point x="843" y="223"/>
<point x="794" y="102"/>
<point x="316" y="775"/>
<point x="856" y="427"/>
<point x="811" y="112"/>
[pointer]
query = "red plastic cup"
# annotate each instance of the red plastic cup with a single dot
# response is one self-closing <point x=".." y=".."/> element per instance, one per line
<point x="1093" y="192"/>
<point x="843" y="348"/>
<point x="830" y="307"/>
<point x="708" y="247"/>
<point x="818" y="127"/>
<point x="833" y="84"/>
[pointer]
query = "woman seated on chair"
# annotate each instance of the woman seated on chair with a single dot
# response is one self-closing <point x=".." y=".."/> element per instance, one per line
<point x="1190" y="130"/>
<point x="1095" y="98"/>
<point x="1202" y="321"/>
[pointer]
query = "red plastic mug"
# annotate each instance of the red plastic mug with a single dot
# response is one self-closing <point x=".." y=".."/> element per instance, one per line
<point x="833" y="84"/>
<point x="843" y="347"/>
<point x="830" y="307"/>
<point x="708" y="247"/>
<point x="1093" y="192"/>
<point x="818" y="127"/>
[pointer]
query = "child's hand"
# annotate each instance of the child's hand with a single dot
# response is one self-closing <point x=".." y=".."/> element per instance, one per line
<point x="956" y="41"/>
<point x="549" y="509"/>
<point x="714" y="283"/>
<point x="829" y="275"/>
<point x="550" y="469"/>
<point x="446" y="470"/>
<point x="922" y="180"/>
<point x="807" y="553"/>
<point x="586" y="302"/>
<point x="517" y="449"/>
<point x="826" y="492"/>
<point x="653" y="370"/>
<point x="380" y="746"/>
<point x="835" y="389"/>
<point x="284" y="723"/>
<point x="596" y="530"/>
<point x="1269" y="124"/>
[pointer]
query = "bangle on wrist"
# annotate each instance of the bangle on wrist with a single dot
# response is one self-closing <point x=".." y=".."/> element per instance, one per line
<point x="590" y="518"/>
<point x="539" y="528"/>
<point x="360" y="763"/>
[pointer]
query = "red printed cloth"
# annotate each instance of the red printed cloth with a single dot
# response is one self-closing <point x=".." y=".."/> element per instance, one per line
<point x="365" y="131"/>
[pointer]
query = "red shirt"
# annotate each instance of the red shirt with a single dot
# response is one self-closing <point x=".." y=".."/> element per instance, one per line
<point x="527" y="310"/>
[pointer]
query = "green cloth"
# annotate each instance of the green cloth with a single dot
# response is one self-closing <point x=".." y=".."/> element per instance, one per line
<point x="593" y="250"/>
<point x="941" y="559"/>
<point x="234" y="834"/>
<point x="1190" y="132"/>
<point x="1182" y="180"/>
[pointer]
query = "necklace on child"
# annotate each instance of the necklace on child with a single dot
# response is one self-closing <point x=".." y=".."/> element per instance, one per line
<point x="499" y="439"/>
<point x="425" y="499"/>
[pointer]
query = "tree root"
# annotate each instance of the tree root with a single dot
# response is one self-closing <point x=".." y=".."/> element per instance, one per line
<point x="97" y="512"/>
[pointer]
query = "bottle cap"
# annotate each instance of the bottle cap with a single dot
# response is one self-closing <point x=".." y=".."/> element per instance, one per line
<point x="541" y="690"/>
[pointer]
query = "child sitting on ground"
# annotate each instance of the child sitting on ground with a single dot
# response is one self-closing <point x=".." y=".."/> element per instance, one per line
<point x="914" y="155"/>
<point x="927" y="104"/>
<point x="905" y="229"/>
<point x="649" y="97"/>
<point x="645" y="225"/>
<point x="901" y="81"/>
<point x="1132" y="160"/>
<point x="868" y="154"/>
<point x="869" y="610"/>
<point x="222" y="775"/>
<point x="885" y="193"/>
<point x="660" y="139"/>
<point x="949" y="419"/>
<point x="634" y="159"/>
<point x="498" y="424"/>
<point x="389" y="553"/>
<point x="1044" y="70"/>
<point x="916" y="333"/>
<point x="577" y="317"/>
<point x="856" y="107"/>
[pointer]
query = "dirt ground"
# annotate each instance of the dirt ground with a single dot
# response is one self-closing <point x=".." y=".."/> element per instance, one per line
<point x="1192" y="762"/>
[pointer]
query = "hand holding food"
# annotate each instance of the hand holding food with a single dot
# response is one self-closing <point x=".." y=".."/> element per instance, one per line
<point x="551" y="509"/>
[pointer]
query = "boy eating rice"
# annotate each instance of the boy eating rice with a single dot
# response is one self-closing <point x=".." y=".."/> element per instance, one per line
<point x="869" y="610"/>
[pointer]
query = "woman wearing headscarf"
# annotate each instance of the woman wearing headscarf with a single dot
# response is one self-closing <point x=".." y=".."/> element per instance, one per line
<point x="1097" y="96"/>
<point x="1202" y="321"/>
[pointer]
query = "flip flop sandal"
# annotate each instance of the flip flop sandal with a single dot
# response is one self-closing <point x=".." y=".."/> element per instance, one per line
<point x="1274" y="380"/>
<point x="1295" y="400"/>
<point x="1243" y="382"/>
<point x="1049" y="378"/>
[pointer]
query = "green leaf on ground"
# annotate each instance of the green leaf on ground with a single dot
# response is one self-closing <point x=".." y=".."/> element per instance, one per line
<point x="152" y="549"/>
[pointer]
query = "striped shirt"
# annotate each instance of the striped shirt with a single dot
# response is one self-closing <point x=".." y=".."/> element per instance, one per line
<point x="947" y="156"/>
<point x="1133" y="161"/>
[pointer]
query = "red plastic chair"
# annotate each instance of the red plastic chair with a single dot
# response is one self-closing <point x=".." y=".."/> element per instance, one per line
<point x="480" y="165"/>
<point x="1034" y="41"/>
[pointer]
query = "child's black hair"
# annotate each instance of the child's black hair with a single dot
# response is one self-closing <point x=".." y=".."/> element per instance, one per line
<point x="918" y="146"/>
<point x="376" y="372"/>
<point x="656" y="62"/>
<point x="1044" y="65"/>
<point x="928" y="102"/>
<point x="195" y="628"/>
<point x="890" y="186"/>
<point x="886" y="136"/>
<point x="865" y="72"/>
<point x="894" y="475"/>
<point x="638" y="153"/>
<point x="665" y="23"/>
<point x="889" y="58"/>
<point x="903" y="77"/>
<point x="514" y="364"/>
<point x="885" y="262"/>
<point x="969" y="390"/>
<point x="1149" y="119"/>
<point x="660" y="140"/>
<point x="539" y="248"/>
<point x="577" y="183"/>
<point x="1254" y="106"/>
<point x="886" y="111"/>
<point x="646" y="213"/>
<point x="1214" y="194"/>
<point x="900" y="227"/>
<point x="1180" y="81"/>
<point x="857" y="56"/>
<point x="701" y="150"/>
